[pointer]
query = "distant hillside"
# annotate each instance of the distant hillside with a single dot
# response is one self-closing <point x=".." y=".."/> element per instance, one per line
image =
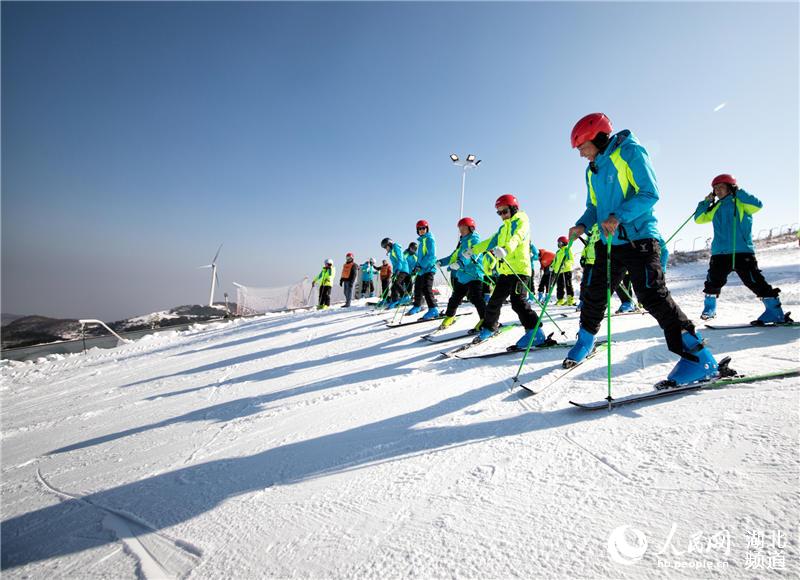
<point x="29" y="330"/>
<point x="7" y="317"/>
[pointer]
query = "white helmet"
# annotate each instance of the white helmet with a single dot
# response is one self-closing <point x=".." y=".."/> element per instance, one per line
<point x="329" y="262"/>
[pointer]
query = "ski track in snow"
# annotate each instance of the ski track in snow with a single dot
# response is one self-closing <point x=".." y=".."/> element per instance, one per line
<point x="323" y="444"/>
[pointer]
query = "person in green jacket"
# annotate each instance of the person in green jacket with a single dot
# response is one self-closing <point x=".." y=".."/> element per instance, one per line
<point x="325" y="281"/>
<point x="512" y="248"/>
<point x="562" y="268"/>
<point x="587" y="261"/>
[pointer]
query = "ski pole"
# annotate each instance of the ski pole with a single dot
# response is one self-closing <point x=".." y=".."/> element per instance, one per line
<point x="446" y="279"/>
<point x="608" y="313"/>
<point x="733" y="256"/>
<point x="538" y="324"/>
<point x="679" y="229"/>
<point x="405" y="307"/>
<point x="386" y="290"/>
<point x="625" y="290"/>
<point x="544" y="311"/>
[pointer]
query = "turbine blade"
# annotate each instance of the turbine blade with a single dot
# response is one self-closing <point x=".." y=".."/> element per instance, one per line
<point x="214" y="261"/>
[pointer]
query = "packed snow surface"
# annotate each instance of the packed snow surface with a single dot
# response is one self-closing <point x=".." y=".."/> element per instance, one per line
<point x="324" y="444"/>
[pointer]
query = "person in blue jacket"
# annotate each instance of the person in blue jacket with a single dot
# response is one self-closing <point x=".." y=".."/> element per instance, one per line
<point x="400" y="268"/>
<point x="368" y="271"/>
<point x="534" y="261"/>
<point x="468" y="273"/>
<point x="731" y="213"/>
<point x="425" y="270"/>
<point x="621" y="193"/>
<point x="410" y="255"/>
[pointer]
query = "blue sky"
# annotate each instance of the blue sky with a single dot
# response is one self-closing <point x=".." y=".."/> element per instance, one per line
<point x="137" y="137"/>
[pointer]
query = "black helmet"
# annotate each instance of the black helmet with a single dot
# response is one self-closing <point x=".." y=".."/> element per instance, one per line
<point x="386" y="242"/>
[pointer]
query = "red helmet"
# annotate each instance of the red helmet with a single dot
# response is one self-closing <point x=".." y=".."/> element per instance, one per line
<point x="467" y="221"/>
<point x="422" y="224"/>
<point x="348" y="255"/>
<point x="588" y="128"/>
<point x="724" y="178"/>
<point x="563" y="240"/>
<point x="508" y="200"/>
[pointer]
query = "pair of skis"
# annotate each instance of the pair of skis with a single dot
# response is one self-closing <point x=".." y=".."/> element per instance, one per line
<point x="727" y="377"/>
<point x="717" y="383"/>
<point x="790" y="324"/>
<point x="417" y="321"/>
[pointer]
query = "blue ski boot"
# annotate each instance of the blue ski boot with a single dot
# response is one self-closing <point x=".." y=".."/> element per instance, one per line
<point x="404" y="300"/>
<point x="689" y="371"/>
<point x="773" y="313"/>
<point x="580" y="350"/>
<point x="626" y="306"/>
<point x="414" y="310"/>
<point x="484" y="334"/>
<point x="431" y="314"/>
<point x="539" y="340"/>
<point x="392" y="304"/>
<point x="709" y="307"/>
<point x="541" y="297"/>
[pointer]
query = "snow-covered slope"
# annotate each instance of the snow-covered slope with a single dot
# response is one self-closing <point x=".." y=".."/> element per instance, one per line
<point x="322" y="444"/>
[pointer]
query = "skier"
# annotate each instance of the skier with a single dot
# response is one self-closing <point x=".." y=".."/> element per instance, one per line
<point x="732" y="216"/>
<point x="468" y="279"/>
<point x="546" y="258"/>
<point x="425" y="270"/>
<point x="587" y="261"/>
<point x="511" y="246"/>
<point x="348" y="278"/>
<point x="325" y="281"/>
<point x="621" y="193"/>
<point x="562" y="268"/>
<point x="368" y="271"/>
<point x="534" y="260"/>
<point x="400" y="267"/>
<point x="410" y="255"/>
<point x="385" y="275"/>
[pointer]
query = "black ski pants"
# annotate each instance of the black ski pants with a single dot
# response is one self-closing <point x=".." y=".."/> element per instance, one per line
<point x="564" y="285"/>
<point x="423" y="288"/>
<point x="324" y="295"/>
<point x="508" y="285"/>
<point x="473" y="290"/>
<point x="642" y="258"/>
<point x="546" y="281"/>
<point x="399" y="286"/>
<point x="746" y="267"/>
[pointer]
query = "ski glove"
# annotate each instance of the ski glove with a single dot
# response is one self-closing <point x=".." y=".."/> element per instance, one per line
<point x="467" y="253"/>
<point x="499" y="252"/>
<point x="455" y="266"/>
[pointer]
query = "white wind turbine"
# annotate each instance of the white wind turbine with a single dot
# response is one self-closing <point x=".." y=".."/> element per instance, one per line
<point x="214" y="278"/>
